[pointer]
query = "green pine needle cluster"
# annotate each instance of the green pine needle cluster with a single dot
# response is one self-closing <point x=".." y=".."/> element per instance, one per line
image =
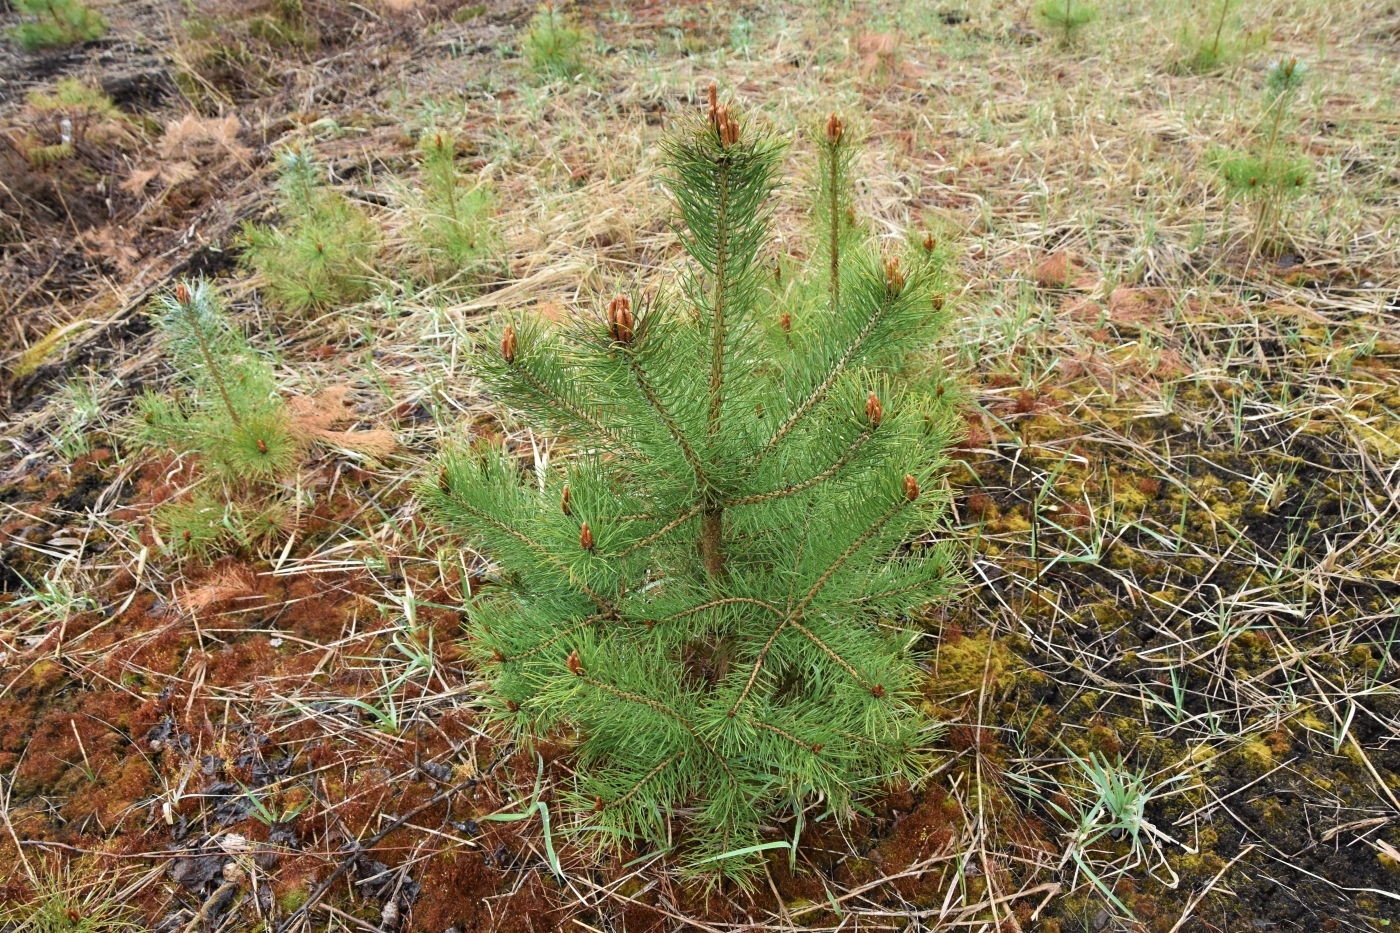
<point x="1068" y="16"/>
<point x="322" y="255"/>
<point x="227" y="410"/>
<point x="1269" y="176"/>
<point x="452" y="236"/>
<point x="719" y="594"/>
<point x="554" y="44"/>
<point x="51" y="23"/>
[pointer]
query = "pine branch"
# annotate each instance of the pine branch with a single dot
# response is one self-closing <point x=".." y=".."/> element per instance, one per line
<point x="767" y="727"/>
<point x="552" y="640"/>
<point x="651" y="539"/>
<point x="636" y="788"/>
<point x="838" y="369"/>
<point x="792" y="619"/>
<point x="807" y="484"/>
<point x="649" y="393"/>
<point x="662" y="708"/>
<point x="609" y="610"/>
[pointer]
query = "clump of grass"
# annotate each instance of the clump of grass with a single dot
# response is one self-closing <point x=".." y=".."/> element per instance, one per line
<point x="64" y="900"/>
<point x="320" y="257"/>
<point x="1068" y="16"/>
<point x="1269" y="175"/>
<point x="285" y="24"/>
<point x="52" y="23"/>
<point x="1210" y="45"/>
<point x="451" y="228"/>
<point x="554" y="44"/>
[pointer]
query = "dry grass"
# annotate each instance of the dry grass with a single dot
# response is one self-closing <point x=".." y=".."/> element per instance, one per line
<point x="1179" y="500"/>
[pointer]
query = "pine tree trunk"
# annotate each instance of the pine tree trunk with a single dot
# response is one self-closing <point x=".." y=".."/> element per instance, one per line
<point x="711" y="543"/>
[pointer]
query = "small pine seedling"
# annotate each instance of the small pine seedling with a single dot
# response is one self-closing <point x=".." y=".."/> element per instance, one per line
<point x="715" y="595"/>
<point x="1218" y="40"/>
<point x="1068" y="16"/>
<point x="228" y="411"/>
<point x="320" y="257"/>
<point x="554" y="44"/>
<point x="50" y="23"/>
<point x="1270" y="176"/>
<point x="452" y="236"/>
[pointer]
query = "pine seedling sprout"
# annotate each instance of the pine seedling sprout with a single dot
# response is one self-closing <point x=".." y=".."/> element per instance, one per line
<point x="50" y="23"/>
<point x="1216" y="39"/>
<point x="714" y="593"/>
<point x="554" y="43"/>
<point x="320" y="256"/>
<point x="451" y="231"/>
<point x="227" y="411"/>
<point x="1268" y="175"/>
<point x="1068" y="16"/>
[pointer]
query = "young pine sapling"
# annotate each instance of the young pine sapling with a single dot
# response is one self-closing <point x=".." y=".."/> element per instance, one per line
<point x="1068" y="16"/>
<point x="451" y="234"/>
<point x="718" y="593"/>
<point x="49" y="23"/>
<point x="321" y="256"/>
<point x="1270" y="175"/>
<point x="554" y="44"/>
<point x="226" y="409"/>
<point x="1213" y="41"/>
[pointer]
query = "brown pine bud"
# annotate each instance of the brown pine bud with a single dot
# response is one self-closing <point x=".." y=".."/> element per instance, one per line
<point x="834" y="129"/>
<point x="585" y="538"/>
<point x="785" y="322"/>
<point x="182" y="293"/>
<point x="262" y="446"/>
<point x="508" y="343"/>
<point x="620" y="320"/>
<point x="714" y="105"/>
<point x="939" y="393"/>
<point x="597" y="804"/>
<point x="937" y="301"/>
<point x="564" y="500"/>
<point x="186" y="536"/>
<point x="728" y="127"/>
<point x="575" y="665"/>
<point x="513" y="706"/>
<point x="911" y="487"/>
<point x="442" y="480"/>
<point x="497" y="656"/>
<point x="893" y="277"/>
<point x="929" y="243"/>
<point x="878" y="692"/>
<point x="320" y="247"/>
<point x="817" y="749"/>
<point x="873" y="411"/>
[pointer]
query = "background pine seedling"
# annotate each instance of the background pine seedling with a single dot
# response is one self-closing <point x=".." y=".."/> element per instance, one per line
<point x="249" y="439"/>
<point x="324" y="251"/>
<point x="227" y="410"/>
<point x="1067" y="16"/>
<point x="51" y="23"/>
<point x="1212" y="39"/>
<point x="451" y="231"/>
<point x="554" y="44"/>
<point x="716" y="593"/>
<point x="1270" y="176"/>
